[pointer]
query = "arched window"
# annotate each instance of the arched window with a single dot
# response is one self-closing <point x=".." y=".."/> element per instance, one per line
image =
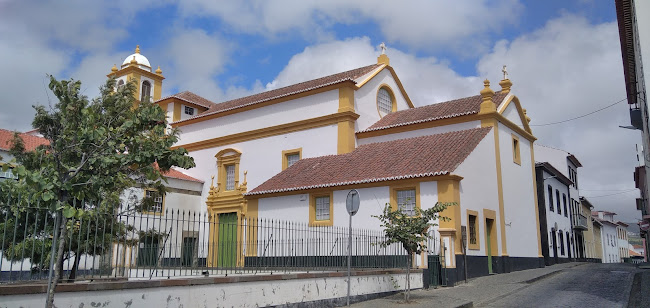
<point x="120" y="84"/>
<point x="385" y="101"/>
<point x="146" y="90"/>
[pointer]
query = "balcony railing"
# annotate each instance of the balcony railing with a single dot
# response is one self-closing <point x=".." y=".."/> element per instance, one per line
<point x="579" y="221"/>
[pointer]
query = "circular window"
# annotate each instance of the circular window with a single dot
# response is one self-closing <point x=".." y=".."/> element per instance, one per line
<point x="384" y="102"/>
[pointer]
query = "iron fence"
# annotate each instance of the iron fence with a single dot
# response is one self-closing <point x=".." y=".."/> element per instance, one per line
<point x="122" y="243"/>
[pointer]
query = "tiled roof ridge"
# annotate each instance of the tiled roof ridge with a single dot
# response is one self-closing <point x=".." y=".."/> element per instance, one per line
<point x="322" y="85"/>
<point x="179" y="96"/>
<point x="424" y="136"/>
<point x="408" y="176"/>
<point x="418" y="121"/>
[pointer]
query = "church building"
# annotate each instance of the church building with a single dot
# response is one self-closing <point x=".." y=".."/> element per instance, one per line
<point x="294" y="152"/>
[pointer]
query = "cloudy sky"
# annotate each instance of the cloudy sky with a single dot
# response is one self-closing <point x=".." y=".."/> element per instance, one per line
<point x="563" y="58"/>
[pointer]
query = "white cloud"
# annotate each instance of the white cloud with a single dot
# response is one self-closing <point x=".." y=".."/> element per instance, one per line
<point x="419" y="24"/>
<point x="194" y="58"/>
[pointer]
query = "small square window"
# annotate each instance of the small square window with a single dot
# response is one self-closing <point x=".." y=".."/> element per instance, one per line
<point x="322" y="208"/>
<point x="189" y="110"/>
<point x="154" y="204"/>
<point x="292" y="159"/>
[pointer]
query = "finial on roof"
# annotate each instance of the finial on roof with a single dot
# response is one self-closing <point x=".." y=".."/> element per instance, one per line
<point x="383" y="58"/>
<point x="487" y="106"/>
<point x="158" y="70"/>
<point x="114" y="68"/>
<point x="133" y="61"/>
<point x="505" y="83"/>
<point x="137" y="48"/>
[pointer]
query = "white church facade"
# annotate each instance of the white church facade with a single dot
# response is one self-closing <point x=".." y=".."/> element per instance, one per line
<point x="293" y="153"/>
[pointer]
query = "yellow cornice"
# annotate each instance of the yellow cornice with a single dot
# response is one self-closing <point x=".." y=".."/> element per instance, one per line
<point x="136" y="70"/>
<point x="452" y="177"/>
<point x="331" y="119"/>
<point x="449" y="121"/>
<point x="348" y="83"/>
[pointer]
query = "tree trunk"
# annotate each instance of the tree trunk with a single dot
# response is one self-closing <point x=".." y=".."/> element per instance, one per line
<point x="75" y="267"/>
<point x="58" y="270"/>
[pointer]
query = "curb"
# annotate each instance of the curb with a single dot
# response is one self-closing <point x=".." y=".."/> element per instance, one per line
<point x="538" y="278"/>
<point x="466" y="305"/>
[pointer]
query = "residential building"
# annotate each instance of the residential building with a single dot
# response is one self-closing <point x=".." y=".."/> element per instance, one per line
<point x="623" y="244"/>
<point x="567" y="164"/>
<point x="634" y="32"/>
<point x="589" y="240"/>
<point x="554" y="216"/>
<point x="609" y="236"/>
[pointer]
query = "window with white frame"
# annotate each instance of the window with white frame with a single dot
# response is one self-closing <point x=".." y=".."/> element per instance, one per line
<point x="155" y="202"/>
<point x="189" y="110"/>
<point x="7" y="174"/>
<point x="230" y="177"/>
<point x="322" y="207"/>
<point x="406" y="201"/>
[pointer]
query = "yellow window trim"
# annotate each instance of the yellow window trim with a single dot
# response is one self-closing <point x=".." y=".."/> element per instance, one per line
<point x="312" y="210"/>
<point x="406" y="186"/>
<point x="224" y="160"/>
<point x="516" y="150"/>
<point x="477" y="245"/>
<point x="392" y="97"/>
<point x="286" y="153"/>
<point x="162" y="208"/>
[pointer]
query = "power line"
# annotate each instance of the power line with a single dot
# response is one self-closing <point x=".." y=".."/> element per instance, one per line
<point x="582" y="116"/>
<point x="618" y="193"/>
<point x="582" y="189"/>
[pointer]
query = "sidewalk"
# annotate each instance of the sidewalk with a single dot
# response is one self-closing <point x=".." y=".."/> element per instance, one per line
<point x="477" y="291"/>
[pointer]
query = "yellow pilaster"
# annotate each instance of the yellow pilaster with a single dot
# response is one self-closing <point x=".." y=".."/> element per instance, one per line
<point x="177" y="112"/>
<point x="449" y="191"/>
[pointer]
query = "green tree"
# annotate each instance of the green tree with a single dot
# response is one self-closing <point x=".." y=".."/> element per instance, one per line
<point x="97" y="148"/>
<point x="410" y="231"/>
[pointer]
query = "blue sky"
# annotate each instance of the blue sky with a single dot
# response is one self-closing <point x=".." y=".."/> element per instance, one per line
<point x="563" y="58"/>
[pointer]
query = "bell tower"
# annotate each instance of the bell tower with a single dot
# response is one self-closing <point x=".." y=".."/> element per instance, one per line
<point x="136" y="67"/>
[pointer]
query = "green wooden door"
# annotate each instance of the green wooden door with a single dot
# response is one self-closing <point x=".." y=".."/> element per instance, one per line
<point x="227" y="243"/>
<point x="488" y="232"/>
<point x="148" y="252"/>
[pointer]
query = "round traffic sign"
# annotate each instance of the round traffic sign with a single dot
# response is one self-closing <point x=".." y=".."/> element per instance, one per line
<point x="352" y="202"/>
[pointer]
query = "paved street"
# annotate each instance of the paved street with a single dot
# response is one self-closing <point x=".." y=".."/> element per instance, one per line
<point x="564" y="285"/>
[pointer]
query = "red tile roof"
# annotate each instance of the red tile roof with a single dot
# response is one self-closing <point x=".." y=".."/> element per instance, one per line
<point x="384" y="161"/>
<point x="445" y="110"/>
<point x="173" y="173"/>
<point x="31" y="141"/>
<point x="191" y="98"/>
<point x="350" y="75"/>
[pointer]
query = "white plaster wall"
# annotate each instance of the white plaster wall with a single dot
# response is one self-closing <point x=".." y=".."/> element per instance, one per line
<point x="365" y="99"/>
<point x="421" y="132"/>
<point x="308" y="107"/>
<point x="478" y="189"/>
<point x="512" y="114"/>
<point x="5" y="157"/>
<point x="555" y="157"/>
<point x="263" y="157"/>
<point x="563" y="223"/>
<point x="170" y="114"/>
<point x="244" y="294"/>
<point x="518" y="196"/>
<point x="610" y="244"/>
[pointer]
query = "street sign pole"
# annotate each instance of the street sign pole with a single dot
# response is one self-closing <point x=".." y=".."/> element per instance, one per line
<point x="352" y="205"/>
